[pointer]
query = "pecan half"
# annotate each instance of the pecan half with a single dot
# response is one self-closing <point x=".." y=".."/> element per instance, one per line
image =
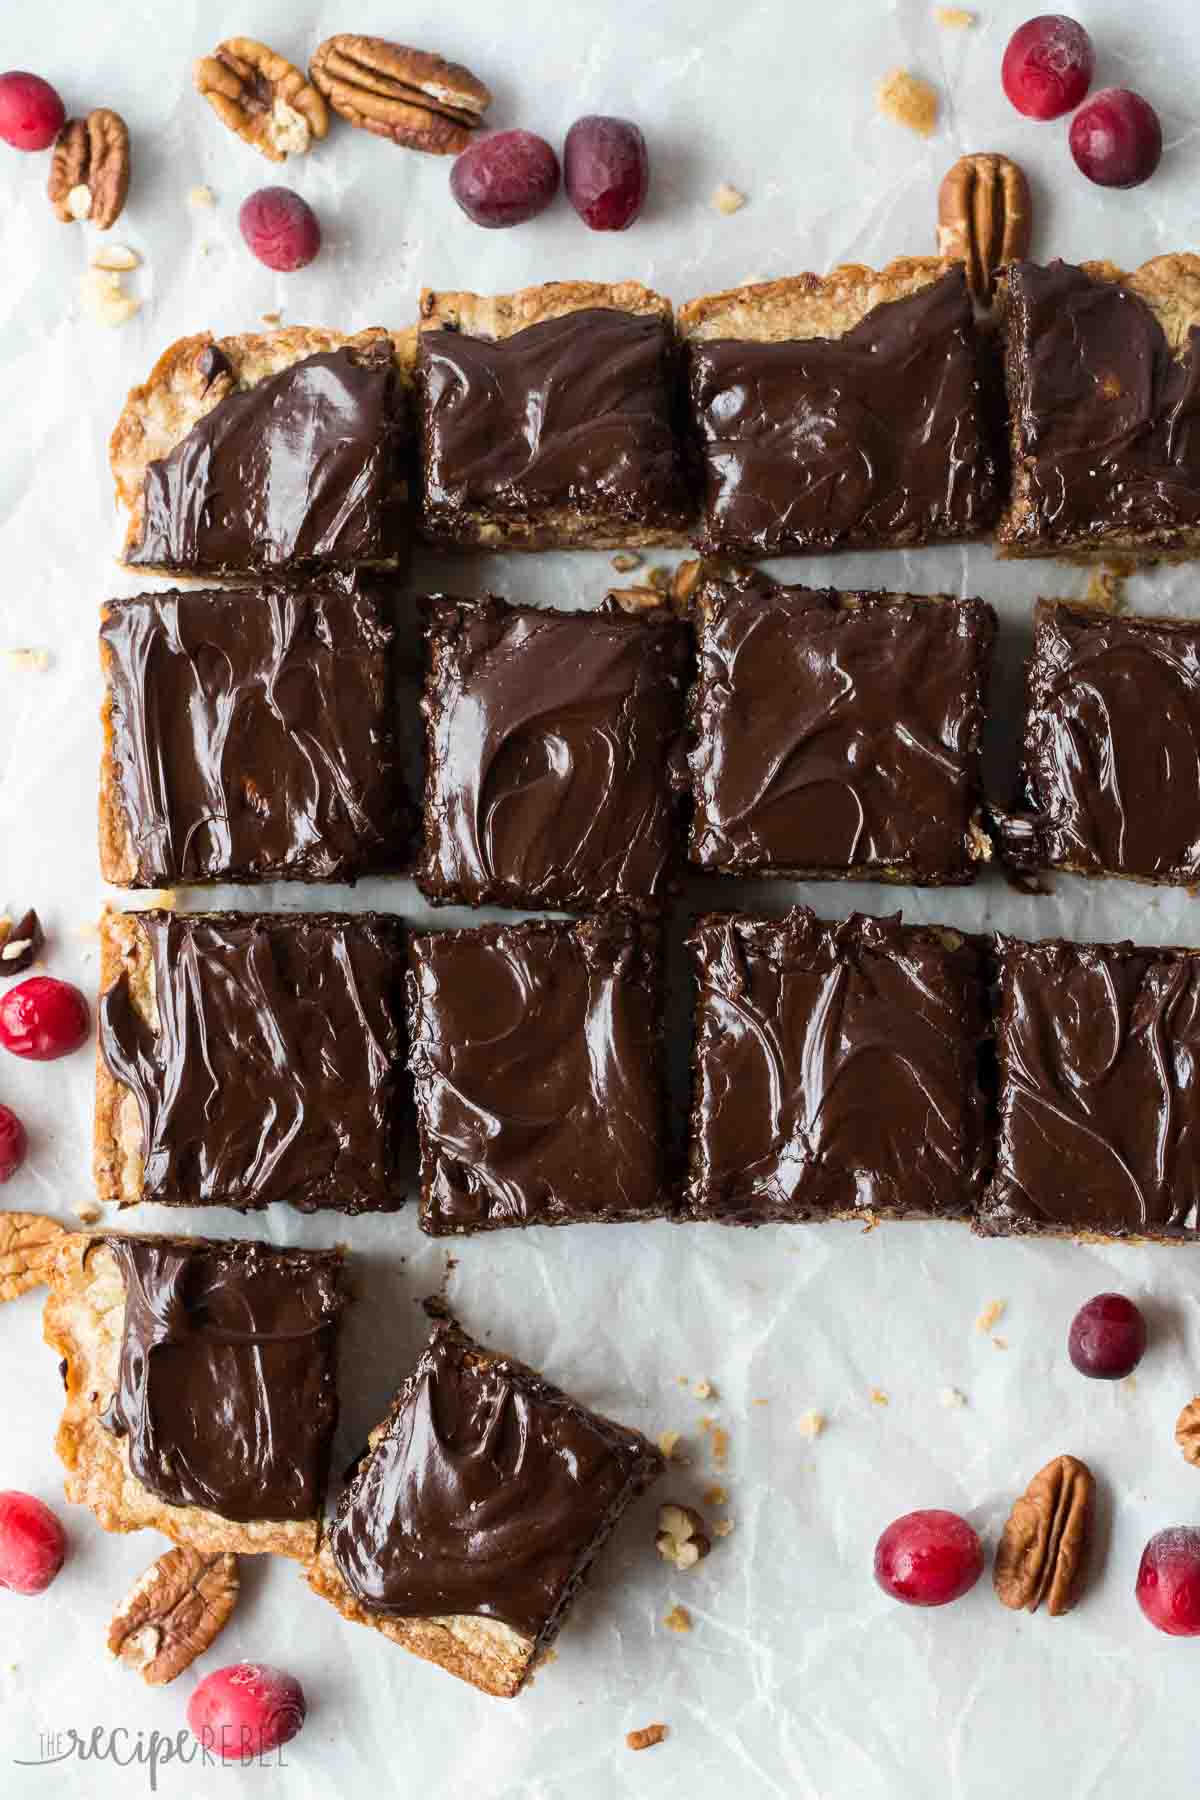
<point x="262" y="97"/>
<point x="682" y="1539"/>
<point x="985" y="218"/>
<point x="28" y="1243"/>
<point x="173" y="1612"/>
<point x="411" y="96"/>
<point x="1187" y="1431"/>
<point x="19" y="943"/>
<point x="1043" y="1550"/>
<point x="89" y="169"/>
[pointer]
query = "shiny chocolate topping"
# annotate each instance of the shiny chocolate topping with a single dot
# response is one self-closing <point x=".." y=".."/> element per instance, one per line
<point x="274" y="1073"/>
<point x="837" y="731"/>
<point x="226" y="1387"/>
<point x="1106" y="419"/>
<point x="573" y="413"/>
<point x="875" y="437"/>
<point x="555" y="755"/>
<point x="489" y="1493"/>
<point x="1099" y="1060"/>
<point x="1111" y="768"/>
<point x="299" y="470"/>
<point x="836" y="1069"/>
<point x="252" y="733"/>
<point x="535" y="1058"/>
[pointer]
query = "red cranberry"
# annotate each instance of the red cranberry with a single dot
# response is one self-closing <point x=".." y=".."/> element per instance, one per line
<point x="1107" y="1339"/>
<point x="1168" y="1581"/>
<point x="1116" y="139"/>
<point x="1048" y="66"/>
<point x="43" y="1019"/>
<point x="31" y="113"/>
<point x="33" y="1545"/>
<point x="504" y="178"/>
<point x="606" y="171"/>
<point x="246" y="1710"/>
<point x="12" y="1144"/>
<point x="280" y="228"/>
<point x="928" y="1558"/>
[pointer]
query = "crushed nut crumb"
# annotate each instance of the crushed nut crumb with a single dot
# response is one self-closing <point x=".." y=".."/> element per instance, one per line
<point x="993" y="1311"/>
<point x="1000" y="1343"/>
<point x="682" y="1537"/>
<point x="105" y="300"/>
<point x="952" y="1396"/>
<point x="646" y="1737"/>
<point x="760" y="1403"/>
<point x="719" y="1445"/>
<point x="812" y="1423"/>
<point x="728" y="199"/>
<point x="953" y="18"/>
<point x="272" y="318"/>
<point x="87" y="1211"/>
<point x="723" y="1527"/>
<point x="201" y="195"/>
<point x="29" y="662"/>
<point x="715" y="1496"/>
<point x="704" y="1390"/>
<point x="678" y="1619"/>
<point x="668" y="1443"/>
<point x="909" y="101"/>
<point x="118" y="258"/>
<point x="879" y="1398"/>
<point x="623" y="562"/>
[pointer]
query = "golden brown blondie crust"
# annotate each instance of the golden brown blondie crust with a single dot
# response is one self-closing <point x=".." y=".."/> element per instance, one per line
<point x="805" y="306"/>
<point x="118" y="1143"/>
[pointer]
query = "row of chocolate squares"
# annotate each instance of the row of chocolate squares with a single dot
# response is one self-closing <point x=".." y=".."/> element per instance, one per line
<point x="856" y="1069"/>
<point x="251" y="735"/>
<point x="202" y="1400"/>
<point x="860" y="409"/>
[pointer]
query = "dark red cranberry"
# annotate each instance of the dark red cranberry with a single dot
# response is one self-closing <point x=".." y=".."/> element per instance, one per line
<point x="280" y="228"/>
<point x="928" y="1558"/>
<point x="13" y="1144"/>
<point x="504" y="178"/>
<point x="33" y="1545"/>
<point x="244" y="1711"/>
<point x="1048" y="66"/>
<point x="43" y="1018"/>
<point x="1107" y="1339"/>
<point x="31" y="113"/>
<point x="1168" y="1581"/>
<point x="1116" y="139"/>
<point x="606" y="171"/>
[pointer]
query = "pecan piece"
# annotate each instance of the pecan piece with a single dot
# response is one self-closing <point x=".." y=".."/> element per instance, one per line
<point x="1043" y="1550"/>
<point x="411" y="96"/>
<point x="89" y="169"/>
<point x="985" y="218"/>
<point x="1187" y="1431"/>
<point x="262" y="97"/>
<point x="173" y="1612"/>
<point x="28" y="1244"/>
<point x="19" y="943"/>
<point x="682" y="1538"/>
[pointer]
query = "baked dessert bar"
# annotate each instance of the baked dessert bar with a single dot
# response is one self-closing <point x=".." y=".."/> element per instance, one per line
<point x="201" y="1395"/>
<point x="1101" y="368"/>
<point x="250" y="1057"/>
<point x="554" y="770"/>
<point x="274" y="451"/>
<point x="535" y="1052"/>
<point x="248" y="736"/>
<point x="550" y="418"/>
<point x="838" y="734"/>
<point x="476" y="1512"/>
<point x="1110" y="777"/>
<point x="841" y="410"/>
<point x="1099" y="1106"/>
<point x="835" y="1069"/>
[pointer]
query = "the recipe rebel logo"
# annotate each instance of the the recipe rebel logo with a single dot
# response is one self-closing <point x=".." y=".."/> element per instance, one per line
<point x="152" y="1751"/>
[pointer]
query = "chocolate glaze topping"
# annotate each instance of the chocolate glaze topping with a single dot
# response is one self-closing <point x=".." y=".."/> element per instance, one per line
<point x="299" y="470"/>
<point x="573" y="413"/>
<point x="252" y="733"/>
<point x="836" y="1069"/>
<point x="1099" y="1061"/>
<point x="226" y="1387"/>
<point x="554" y="755"/>
<point x="489" y="1493"/>
<point x="837" y="732"/>
<point x="1106" y="420"/>
<point x="274" y="1073"/>
<point x="875" y="437"/>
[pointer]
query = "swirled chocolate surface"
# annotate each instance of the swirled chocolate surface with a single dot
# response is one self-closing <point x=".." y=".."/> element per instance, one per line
<point x="535" y="1057"/>
<point x="835" y="1069"/>
<point x="274" y="1071"/>
<point x="876" y="437"/>
<point x="837" y="733"/>
<point x="252" y="733"/>
<point x="554" y="767"/>
<point x="489" y="1493"/>
<point x="227" y="1388"/>
<point x="1098" y="1048"/>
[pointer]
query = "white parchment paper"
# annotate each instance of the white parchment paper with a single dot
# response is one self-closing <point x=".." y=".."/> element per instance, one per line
<point x="798" y="1677"/>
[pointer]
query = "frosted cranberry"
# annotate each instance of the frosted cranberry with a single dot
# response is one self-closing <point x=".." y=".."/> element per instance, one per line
<point x="246" y="1710"/>
<point x="1168" y="1581"/>
<point x="928" y="1558"/>
<point x="280" y="228"/>
<point x="1048" y="66"/>
<point x="606" y="171"/>
<point x="1107" y="1339"/>
<point x="504" y="178"/>
<point x="43" y="1018"/>
<point x="1116" y="139"/>
<point x="33" y="1545"/>
<point x="31" y="113"/>
<point x="12" y="1143"/>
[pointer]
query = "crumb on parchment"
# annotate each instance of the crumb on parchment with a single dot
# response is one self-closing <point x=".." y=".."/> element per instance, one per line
<point x="679" y="1619"/>
<point x="909" y="101"/>
<point x="952" y="1397"/>
<point x="879" y="1398"/>
<point x="954" y="18"/>
<point x="812" y="1423"/>
<point x="992" y="1313"/>
<point x="646" y="1737"/>
<point x="728" y="200"/>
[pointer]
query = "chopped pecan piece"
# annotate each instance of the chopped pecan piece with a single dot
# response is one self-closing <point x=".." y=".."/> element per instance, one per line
<point x="28" y="1244"/>
<point x="89" y="169"/>
<point x="411" y="96"/>
<point x="646" y="1738"/>
<point x="682" y="1539"/>
<point x="173" y="1612"/>
<point x="1187" y="1431"/>
<point x="985" y="218"/>
<point x="19" y="943"/>
<point x="262" y="97"/>
<point x="1042" y="1553"/>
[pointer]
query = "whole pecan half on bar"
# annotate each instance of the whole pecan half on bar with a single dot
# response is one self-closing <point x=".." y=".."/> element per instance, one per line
<point x="262" y="97"/>
<point x="89" y="169"/>
<point x="1043" y="1550"/>
<point x="985" y="218"/>
<point x="173" y="1612"/>
<point x="413" y="97"/>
